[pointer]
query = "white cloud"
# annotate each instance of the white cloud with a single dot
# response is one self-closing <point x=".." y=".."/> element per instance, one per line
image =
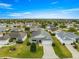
<point x="74" y="10"/>
<point x="20" y="15"/>
<point x="5" y="6"/>
<point x="48" y="14"/>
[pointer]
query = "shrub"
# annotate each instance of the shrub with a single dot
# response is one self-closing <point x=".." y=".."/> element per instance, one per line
<point x="19" y="41"/>
<point x="28" y="43"/>
<point x="77" y="40"/>
<point x="71" y="43"/>
<point x="53" y="34"/>
<point x="53" y="44"/>
<point x="5" y="58"/>
<point x="75" y="46"/>
<point x="72" y="30"/>
<point x="63" y="43"/>
<point x="33" y="47"/>
<point x="27" y="28"/>
<point x="40" y="41"/>
<point x="12" y="48"/>
<point x="10" y="40"/>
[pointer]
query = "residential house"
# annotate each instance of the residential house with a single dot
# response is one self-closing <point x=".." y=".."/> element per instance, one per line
<point x="66" y="37"/>
<point x="19" y="36"/>
<point x="4" y="39"/>
<point x="42" y="36"/>
<point x="51" y="27"/>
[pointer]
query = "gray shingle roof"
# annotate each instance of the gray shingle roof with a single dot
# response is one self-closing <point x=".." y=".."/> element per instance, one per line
<point x="17" y="34"/>
<point x="41" y="34"/>
<point x="67" y="35"/>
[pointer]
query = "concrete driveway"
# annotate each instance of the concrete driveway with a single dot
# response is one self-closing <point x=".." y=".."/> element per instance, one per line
<point x="48" y="51"/>
<point x="74" y="52"/>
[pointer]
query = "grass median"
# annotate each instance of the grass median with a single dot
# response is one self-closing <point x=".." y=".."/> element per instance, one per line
<point x="60" y="49"/>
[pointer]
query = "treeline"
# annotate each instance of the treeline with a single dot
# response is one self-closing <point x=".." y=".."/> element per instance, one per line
<point x="39" y="20"/>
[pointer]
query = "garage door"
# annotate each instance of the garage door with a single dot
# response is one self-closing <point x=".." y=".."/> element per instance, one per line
<point x="46" y="42"/>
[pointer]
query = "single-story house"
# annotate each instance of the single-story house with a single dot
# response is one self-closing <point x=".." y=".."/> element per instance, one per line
<point x="69" y="25"/>
<point x="20" y="36"/>
<point x="51" y="27"/>
<point x="35" y="28"/>
<point x="17" y="29"/>
<point x="2" y="29"/>
<point x="67" y="37"/>
<point x="42" y="36"/>
<point x="28" y="24"/>
<point x="4" y="39"/>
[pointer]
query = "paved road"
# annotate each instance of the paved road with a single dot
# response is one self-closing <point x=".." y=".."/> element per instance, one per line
<point x="49" y="52"/>
<point x="74" y="52"/>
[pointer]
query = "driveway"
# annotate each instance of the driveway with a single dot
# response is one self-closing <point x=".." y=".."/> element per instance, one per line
<point x="48" y="50"/>
<point x="74" y="52"/>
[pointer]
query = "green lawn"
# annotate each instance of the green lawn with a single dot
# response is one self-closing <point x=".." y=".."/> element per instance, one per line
<point x="60" y="49"/>
<point x="77" y="33"/>
<point x="22" y="51"/>
<point x="77" y="45"/>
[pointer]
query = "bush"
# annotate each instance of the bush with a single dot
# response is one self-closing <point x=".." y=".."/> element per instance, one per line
<point x="40" y="41"/>
<point x="72" y="30"/>
<point x="28" y="43"/>
<point x="71" y="43"/>
<point x="19" y="41"/>
<point x="33" y="47"/>
<point x="53" y="34"/>
<point x="76" y="41"/>
<point x="27" y="28"/>
<point x="75" y="46"/>
<point x="12" y="48"/>
<point x="10" y="40"/>
<point x="53" y="44"/>
<point x="5" y="58"/>
<point x="63" y="43"/>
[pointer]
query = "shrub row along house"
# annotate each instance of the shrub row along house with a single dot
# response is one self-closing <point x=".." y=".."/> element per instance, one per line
<point x="67" y="37"/>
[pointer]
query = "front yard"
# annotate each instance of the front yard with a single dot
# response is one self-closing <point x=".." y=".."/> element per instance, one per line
<point x="60" y="49"/>
<point x="76" y="46"/>
<point x="21" y="51"/>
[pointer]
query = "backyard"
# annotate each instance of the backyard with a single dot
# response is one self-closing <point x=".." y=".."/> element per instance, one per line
<point x="21" y="51"/>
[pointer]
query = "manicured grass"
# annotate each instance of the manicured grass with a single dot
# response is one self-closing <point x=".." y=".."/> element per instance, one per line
<point x="60" y="49"/>
<point x="22" y="51"/>
<point x="77" y="33"/>
<point x="77" y="46"/>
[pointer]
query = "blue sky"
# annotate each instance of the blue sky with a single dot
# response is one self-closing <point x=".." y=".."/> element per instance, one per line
<point x="39" y="8"/>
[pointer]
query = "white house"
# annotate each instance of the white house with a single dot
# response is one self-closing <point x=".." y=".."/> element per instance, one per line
<point x="4" y="39"/>
<point x="35" y="28"/>
<point x="67" y="37"/>
<point x="51" y="27"/>
<point x="28" y="24"/>
<point x="42" y="36"/>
